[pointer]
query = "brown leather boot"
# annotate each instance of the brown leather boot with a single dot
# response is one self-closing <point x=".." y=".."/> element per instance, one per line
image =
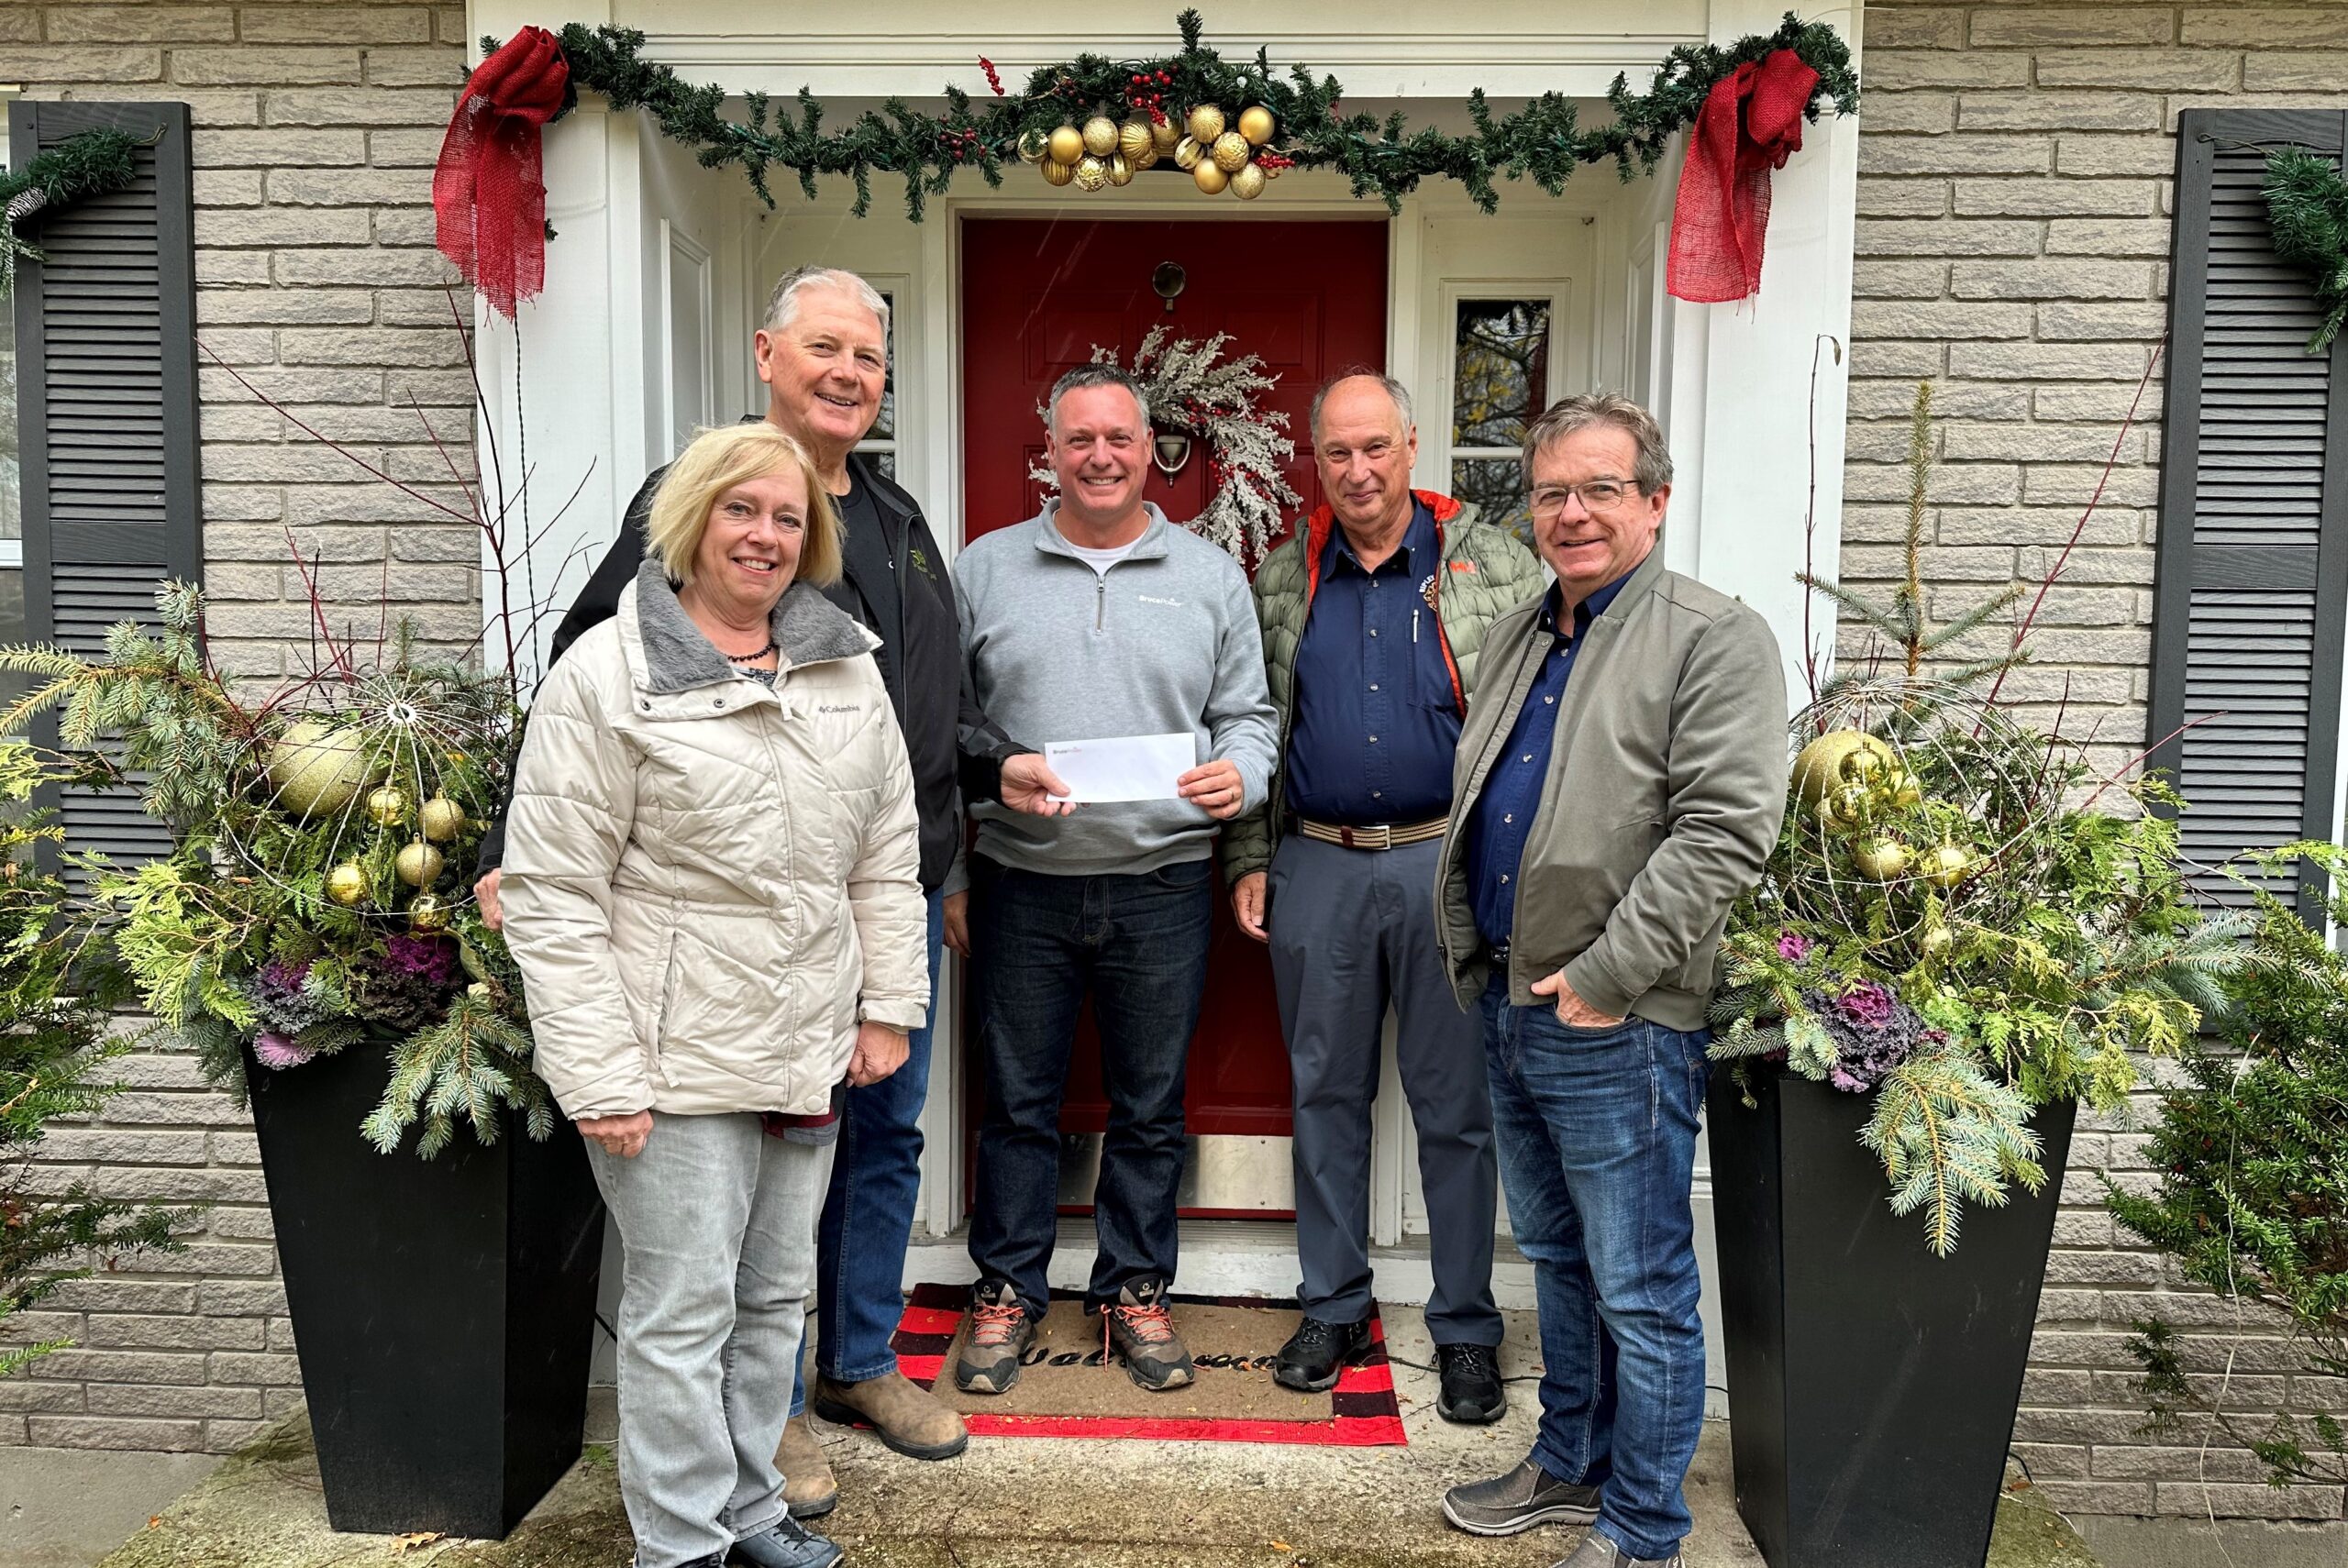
<point x="808" y="1489"/>
<point x="907" y="1415"/>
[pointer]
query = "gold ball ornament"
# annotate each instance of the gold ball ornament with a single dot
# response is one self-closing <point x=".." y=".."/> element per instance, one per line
<point x="419" y="864"/>
<point x="1146" y="159"/>
<point x="441" y="819"/>
<point x="1209" y="178"/>
<point x="1946" y="865"/>
<point x="1091" y="173"/>
<point x="1034" y="146"/>
<point x="426" y="914"/>
<point x="1846" y="807"/>
<point x="1134" y="138"/>
<point x="317" y="768"/>
<point x="1166" y="133"/>
<point x="1881" y="858"/>
<point x="1120" y="171"/>
<point x="1206" y="122"/>
<point x="1907" y="792"/>
<point x="1065" y="145"/>
<point x="1100" y="136"/>
<point x="1230" y="152"/>
<point x="1863" y="765"/>
<point x="1937" y="941"/>
<point x="386" y="806"/>
<point x="1187" y="152"/>
<point x="1056" y="172"/>
<point x="1819" y="765"/>
<point x="1255" y="124"/>
<point x="1248" y="183"/>
<point x="347" y="883"/>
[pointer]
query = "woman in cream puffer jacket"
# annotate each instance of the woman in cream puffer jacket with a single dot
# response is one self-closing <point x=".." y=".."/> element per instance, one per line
<point x="710" y="885"/>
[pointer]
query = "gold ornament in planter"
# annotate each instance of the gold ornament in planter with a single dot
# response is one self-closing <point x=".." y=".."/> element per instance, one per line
<point x="387" y="806"/>
<point x="1256" y="124"/>
<point x="1206" y="122"/>
<point x="1209" y="177"/>
<point x="420" y="864"/>
<point x="1134" y="138"/>
<point x="1100" y="136"/>
<point x="1819" y="765"/>
<point x="347" y="883"/>
<point x="1091" y="173"/>
<point x="441" y="818"/>
<point x="1248" y="183"/>
<point x="1230" y="153"/>
<point x="1187" y="153"/>
<point x="1946" y="865"/>
<point x="426" y="914"/>
<point x="1884" y="859"/>
<point x="1056" y="172"/>
<point x="1065" y="144"/>
<point x="317" y="768"/>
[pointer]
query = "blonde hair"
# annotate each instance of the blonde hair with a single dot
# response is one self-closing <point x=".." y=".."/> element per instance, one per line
<point x="716" y="461"/>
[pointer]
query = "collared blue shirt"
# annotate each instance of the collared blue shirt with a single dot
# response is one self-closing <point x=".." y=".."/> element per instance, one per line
<point x="1373" y="720"/>
<point x="1503" y="812"/>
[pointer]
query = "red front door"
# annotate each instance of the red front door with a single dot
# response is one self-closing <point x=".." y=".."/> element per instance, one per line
<point x="1037" y="296"/>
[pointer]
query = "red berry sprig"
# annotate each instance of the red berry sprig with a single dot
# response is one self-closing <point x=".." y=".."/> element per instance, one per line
<point x="961" y="146"/>
<point x="1268" y="161"/>
<point x="994" y="80"/>
<point x="1146" y="91"/>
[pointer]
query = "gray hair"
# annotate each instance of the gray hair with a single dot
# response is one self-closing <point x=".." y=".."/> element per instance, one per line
<point x="782" y="306"/>
<point x="1085" y="376"/>
<point x="1570" y="414"/>
<point x="1398" y="395"/>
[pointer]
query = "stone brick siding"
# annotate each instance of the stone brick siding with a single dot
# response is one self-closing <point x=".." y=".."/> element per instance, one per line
<point x="2015" y="172"/>
<point x="317" y="126"/>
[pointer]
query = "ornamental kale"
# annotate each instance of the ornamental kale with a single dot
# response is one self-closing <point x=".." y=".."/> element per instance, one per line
<point x="1873" y="1032"/>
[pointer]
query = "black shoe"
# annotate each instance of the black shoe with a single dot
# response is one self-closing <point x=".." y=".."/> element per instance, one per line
<point x="1525" y="1497"/>
<point x="1472" y="1394"/>
<point x="1316" y="1355"/>
<point x="786" y="1543"/>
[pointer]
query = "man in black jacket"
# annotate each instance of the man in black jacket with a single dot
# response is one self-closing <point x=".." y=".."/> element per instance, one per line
<point x="822" y="354"/>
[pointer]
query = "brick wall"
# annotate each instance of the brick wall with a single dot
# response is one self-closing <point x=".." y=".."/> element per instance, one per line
<point x="315" y="129"/>
<point x="2015" y="172"/>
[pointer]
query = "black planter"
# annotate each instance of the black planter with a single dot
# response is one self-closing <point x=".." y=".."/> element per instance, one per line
<point x="1871" y="1385"/>
<point x="443" y="1309"/>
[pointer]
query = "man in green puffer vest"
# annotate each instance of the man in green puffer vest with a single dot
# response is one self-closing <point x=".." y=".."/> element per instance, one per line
<point x="1373" y="613"/>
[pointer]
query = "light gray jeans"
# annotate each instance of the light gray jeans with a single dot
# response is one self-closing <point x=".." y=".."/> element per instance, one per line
<point x="717" y="1221"/>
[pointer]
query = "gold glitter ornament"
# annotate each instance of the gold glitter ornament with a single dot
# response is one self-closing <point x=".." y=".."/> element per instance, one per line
<point x="1100" y="136"/>
<point x="1256" y="124"/>
<point x="1187" y="153"/>
<point x="426" y="914"/>
<point x="1120" y="171"/>
<point x="387" y="805"/>
<point x="1065" y="144"/>
<point x="1206" y="122"/>
<point x="1091" y="174"/>
<point x="441" y="819"/>
<point x="1209" y="178"/>
<point x="1134" y="138"/>
<point x="1056" y="172"/>
<point x="347" y="883"/>
<point x="1881" y="858"/>
<point x="420" y="864"/>
<point x="317" y="768"/>
<point x="1937" y="941"/>
<point x="1946" y="865"/>
<point x="1819" y="765"/>
<point x="1230" y="153"/>
<point x="1248" y="183"/>
<point x="1034" y="146"/>
<point x="1165" y="133"/>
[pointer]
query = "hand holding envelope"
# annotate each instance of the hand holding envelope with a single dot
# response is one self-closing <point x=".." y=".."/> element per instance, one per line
<point x="1144" y="767"/>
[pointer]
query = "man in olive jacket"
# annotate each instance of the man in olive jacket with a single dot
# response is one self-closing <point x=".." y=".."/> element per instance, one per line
<point x="1373" y="612"/>
<point x="1619" y="784"/>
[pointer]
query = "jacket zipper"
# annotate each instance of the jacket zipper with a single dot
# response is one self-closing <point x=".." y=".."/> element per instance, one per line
<point x="1101" y="604"/>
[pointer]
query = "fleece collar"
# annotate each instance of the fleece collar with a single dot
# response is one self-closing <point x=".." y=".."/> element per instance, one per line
<point x="670" y="654"/>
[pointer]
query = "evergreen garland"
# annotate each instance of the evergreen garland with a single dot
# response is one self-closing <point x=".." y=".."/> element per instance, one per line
<point x="2306" y="202"/>
<point x="1541" y="141"/>
<point x="94" y="163"/>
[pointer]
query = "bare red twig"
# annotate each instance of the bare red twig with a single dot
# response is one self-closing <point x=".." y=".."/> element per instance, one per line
<point x="2138" y="760"/>
<point x="1810" y="523"/>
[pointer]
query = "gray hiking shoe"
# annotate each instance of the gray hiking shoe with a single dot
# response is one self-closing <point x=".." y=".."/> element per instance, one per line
<point x="1000" y="1332"/>
<point x="1138" y="1327"/>
<point x="1525" y="1497"/>
<point x="1597" y="1552"/>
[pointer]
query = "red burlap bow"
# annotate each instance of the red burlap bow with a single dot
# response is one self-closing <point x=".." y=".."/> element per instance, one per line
<point x="1750" y="124"/>
<point x="488" y="189"/>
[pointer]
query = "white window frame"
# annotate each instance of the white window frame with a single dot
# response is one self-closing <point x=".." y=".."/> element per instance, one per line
<point x="896" y="289"/>
<point x="1558" y="292"/>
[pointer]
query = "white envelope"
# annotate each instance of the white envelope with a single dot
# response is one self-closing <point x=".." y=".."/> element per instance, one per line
<point x="1122" y="767"/>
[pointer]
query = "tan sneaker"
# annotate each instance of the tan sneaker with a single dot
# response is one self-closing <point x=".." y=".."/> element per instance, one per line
<point x="808" y="1490"/>
<point x="907" y="1416"/>
<point x="1138" y="1327"/>
<point x="1000" y="1332"/>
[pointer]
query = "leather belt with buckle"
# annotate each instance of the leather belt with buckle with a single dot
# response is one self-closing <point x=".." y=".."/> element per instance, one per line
<point x="1380" y="835"/>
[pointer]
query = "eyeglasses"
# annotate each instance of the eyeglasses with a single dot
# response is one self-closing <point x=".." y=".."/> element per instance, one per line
<point x="1597" y="495"/>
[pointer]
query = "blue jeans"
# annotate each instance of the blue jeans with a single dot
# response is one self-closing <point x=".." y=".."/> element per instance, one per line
<point x="1137" y="947"/>
<point x="1596" y="1133"/>
<point x="868" y="1210"/>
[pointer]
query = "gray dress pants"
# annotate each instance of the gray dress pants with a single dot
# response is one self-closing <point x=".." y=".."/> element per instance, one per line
<point x="1353" y="931"/>
<point x="717" y="1224"/>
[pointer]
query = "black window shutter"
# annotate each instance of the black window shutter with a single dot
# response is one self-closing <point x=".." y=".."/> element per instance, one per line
<point x="2251" y="605"/>
<point x="106" y="413"/>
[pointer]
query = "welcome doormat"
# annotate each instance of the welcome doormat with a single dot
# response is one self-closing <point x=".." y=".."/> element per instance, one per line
<point x="1070" y="1387"/>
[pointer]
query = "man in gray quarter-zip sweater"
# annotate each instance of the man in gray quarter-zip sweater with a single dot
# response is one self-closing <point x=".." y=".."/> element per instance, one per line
<point x="1098" y="619"/>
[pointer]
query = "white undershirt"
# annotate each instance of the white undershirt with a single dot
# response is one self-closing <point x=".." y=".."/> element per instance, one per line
<point x="1101" y="560"/>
